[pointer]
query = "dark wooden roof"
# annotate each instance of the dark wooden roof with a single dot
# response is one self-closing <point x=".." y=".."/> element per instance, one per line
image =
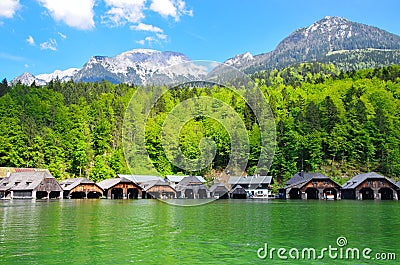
<point x="355" y="181"/>
<point x="238" y="190"/>
<point x="302" y="178"/>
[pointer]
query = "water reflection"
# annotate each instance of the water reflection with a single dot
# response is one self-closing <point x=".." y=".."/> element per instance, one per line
<point x="226" y="231"/>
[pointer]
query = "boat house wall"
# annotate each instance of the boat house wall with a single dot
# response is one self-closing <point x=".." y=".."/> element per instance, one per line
<point x="81" y="188"/>
<point x="159" y="191"/>
<point x="370" y="186"/>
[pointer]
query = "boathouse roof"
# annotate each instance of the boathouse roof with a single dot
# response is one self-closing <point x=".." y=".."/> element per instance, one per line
<point x="189" y="183"/>
<point x="218" y="187"/>
<point x="355" y="181"/>
<point x="305" y="176"/>
<point x="250" y="180"/>
<point x="179" y="178"/>
<point x="69" y="184"/>
<point x="140" y="179"/>
<point x="30" y="181"/>
<point x="148" y="185"/>
<point x="238" y="190"/>
<point x="302" y="178"/>
<point x="109" y="183"/>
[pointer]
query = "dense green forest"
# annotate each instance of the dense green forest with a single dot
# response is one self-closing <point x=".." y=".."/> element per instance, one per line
<point x="339" y="123"/>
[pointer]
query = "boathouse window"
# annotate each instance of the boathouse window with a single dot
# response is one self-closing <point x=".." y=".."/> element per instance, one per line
<point x="326" y="182"/>
<point x="369" y="182"/>
<point x="382" y="182"/>
<point x="22" y="194"/>
<point x="16" y="183"/>
<point x="260" y="192"/>
<point x="314" y="182"/>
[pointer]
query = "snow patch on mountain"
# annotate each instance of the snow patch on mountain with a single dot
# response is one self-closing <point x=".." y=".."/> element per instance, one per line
<point x="63" y="76"/>
<point x="240" y="60"/>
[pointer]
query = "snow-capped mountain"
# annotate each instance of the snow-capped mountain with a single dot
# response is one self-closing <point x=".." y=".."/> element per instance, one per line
<point x="139" y="66"/>
<point x="27" y="79"/>
<point x="63" y="76"/>
<point x="240" y="60"/>
<point x="346" y="44"/>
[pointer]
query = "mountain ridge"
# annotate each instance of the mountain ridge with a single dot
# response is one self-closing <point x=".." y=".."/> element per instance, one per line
<point x="334" y="40"/>
<point x="316" y="43"/>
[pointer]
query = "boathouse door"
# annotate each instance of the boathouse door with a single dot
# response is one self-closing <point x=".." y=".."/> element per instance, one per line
<point x="367" y="194"/>
<point x="295" y="193"/>
<point x="386" y="194"/>
<point x="312" y="194"/>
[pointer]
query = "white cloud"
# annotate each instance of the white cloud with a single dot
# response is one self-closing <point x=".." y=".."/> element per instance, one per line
<point x="63" y="37"/>
<point x="75" y="13"/>
<point x="146" y="27"/>
<point x="161" y="36"/>
<point x="8" y="8"/>
<point x="150" y="39"/>
<point x="123" y="11"/>
<point x="164" y="7"/>
<point x="30" y="41"/>
<point x="49" y="45"/>
<point x="153" y="39"/>
<point x="170" y="8"/>
<point x="26" y="65"/>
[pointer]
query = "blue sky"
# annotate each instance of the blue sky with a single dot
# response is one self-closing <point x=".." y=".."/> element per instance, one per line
<point x="40" y="36"/>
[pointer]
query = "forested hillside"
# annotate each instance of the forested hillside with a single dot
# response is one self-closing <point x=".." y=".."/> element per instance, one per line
<point x="340" y="123"/>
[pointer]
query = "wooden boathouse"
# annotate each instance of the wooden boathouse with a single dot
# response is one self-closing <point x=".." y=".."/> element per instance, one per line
<point x="80" y="188"/>
<point x="219" y="191"/>
<point x="30" y="185"/>
<point x="370" y="186"/>
<point x="306" y="186"/>
<point x="158" y="189"/>
<point x="174" y="180"/>
<point x="120" y="188"/>
<point x="191" y="188"/>
<point x="238" y="192"/>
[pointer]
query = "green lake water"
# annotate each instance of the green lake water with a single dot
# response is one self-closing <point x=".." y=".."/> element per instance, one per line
<point x="221" y="232"/>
